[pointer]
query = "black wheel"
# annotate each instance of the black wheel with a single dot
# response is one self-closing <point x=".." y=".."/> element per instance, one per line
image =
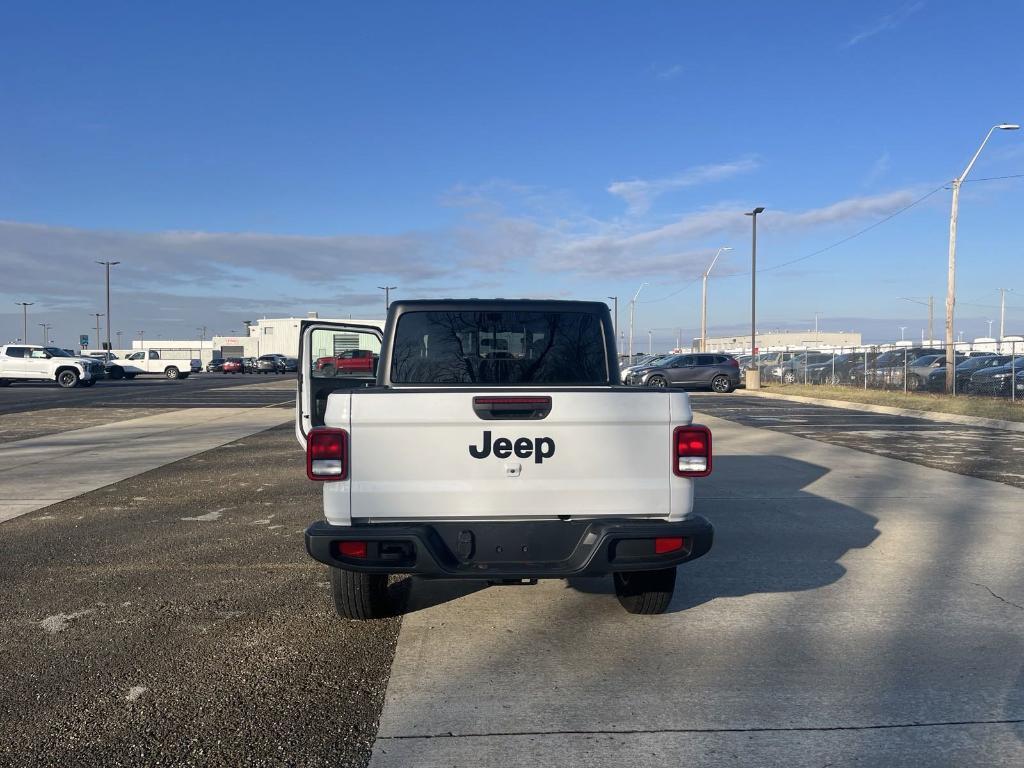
<point x="67" y="379"/>
<point x="914" y="382"/>
<point x="116" y="373"/>
<point x="658" y="382"/>
<point x="645" y="592"/>
<point x="361" y="595"/>
<point x="721" y="384"/>
<point x="171" y="372"/>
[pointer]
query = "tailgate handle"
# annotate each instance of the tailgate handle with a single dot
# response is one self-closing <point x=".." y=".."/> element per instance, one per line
<point x="493" y="408"/>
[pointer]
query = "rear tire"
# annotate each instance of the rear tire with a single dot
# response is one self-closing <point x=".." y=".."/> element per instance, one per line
<point x="645" y="592"/>
<point x="721" y="384"/>
<point x="658" y="382"/>
<point x="361" y="596"/>
<point x="789" y="377"/>
<point x="172" y="373"/>
<point x="67" y="379"/>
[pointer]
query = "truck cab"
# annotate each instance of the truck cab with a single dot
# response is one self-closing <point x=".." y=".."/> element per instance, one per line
<point x="494" y="441"/>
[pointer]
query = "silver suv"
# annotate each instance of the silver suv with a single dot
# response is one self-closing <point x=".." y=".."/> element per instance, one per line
<point x="718" y="372"/>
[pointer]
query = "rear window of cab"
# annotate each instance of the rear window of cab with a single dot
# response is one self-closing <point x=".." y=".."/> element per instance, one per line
<point x="499" y="347"/>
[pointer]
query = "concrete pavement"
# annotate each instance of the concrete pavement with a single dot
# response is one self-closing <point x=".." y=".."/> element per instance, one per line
<point x="37" y="472"/>
<point x="854" y="609"/>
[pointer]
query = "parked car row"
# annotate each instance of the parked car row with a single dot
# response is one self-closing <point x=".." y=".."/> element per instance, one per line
<point x="272" y="363"/>
<point x="913" y="368"/>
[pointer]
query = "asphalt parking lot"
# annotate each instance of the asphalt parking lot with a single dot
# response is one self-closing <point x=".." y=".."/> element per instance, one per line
<point x="199" y="390"/>
<point x="854" y="610"/>
<point x="174" y="619"/>
<point x="990" y="454"/>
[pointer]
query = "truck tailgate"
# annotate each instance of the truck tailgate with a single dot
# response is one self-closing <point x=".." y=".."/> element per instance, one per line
<point x="599" y="452"/>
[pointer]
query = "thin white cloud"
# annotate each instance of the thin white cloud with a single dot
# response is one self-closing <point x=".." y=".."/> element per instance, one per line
<point x="669" y="73"/>
<point x="640" y="193"/>
<point x="878" y="169"/>
<point x="886" y="23"/>
<point x="657" y="250"/>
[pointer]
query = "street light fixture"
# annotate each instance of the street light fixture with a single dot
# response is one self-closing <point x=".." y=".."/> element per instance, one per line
<point x="98" y="315"/>
<point x="704" y="300"/>
<point x="754" y="373"/>
<point x="387" y="295"/>
<point x="24" y="319"/>
<point x="951" y="267"/>
<point x="632" y="317"/>
<point x="108" y="265"/>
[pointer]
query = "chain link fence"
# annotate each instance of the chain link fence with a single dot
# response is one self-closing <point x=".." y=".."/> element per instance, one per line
<point x="984" y="369"/>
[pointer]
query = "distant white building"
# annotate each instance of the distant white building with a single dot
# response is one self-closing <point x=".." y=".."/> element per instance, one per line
<point x="782" y="340"/>
<point x="278" y="335"/>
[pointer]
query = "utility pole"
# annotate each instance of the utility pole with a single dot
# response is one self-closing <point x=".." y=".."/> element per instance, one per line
<point x="931" y="314"/>
<point x="754" y="381"/>
<point x="951" y="267"/>
<point x="704" y="300"/>
<point x="1002" y="313"/>
<point x="46" y="332"/>
<point x="98" y="315"/>
<point x="615" y="300"/>
<point x="387" y="295"/>
<point x="632" y="318"/>
<point x="24" y="319"/>
<point x="202" y="334"/>
<point x="107" y="265"/>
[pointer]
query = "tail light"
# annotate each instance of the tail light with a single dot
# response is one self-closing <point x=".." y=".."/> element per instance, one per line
<point x="733" y="362"/>
<point x="327" y="454"/>
<point x="691" y="451"/>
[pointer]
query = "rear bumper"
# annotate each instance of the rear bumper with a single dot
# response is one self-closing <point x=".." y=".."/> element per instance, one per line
<point x="541" y="549"/>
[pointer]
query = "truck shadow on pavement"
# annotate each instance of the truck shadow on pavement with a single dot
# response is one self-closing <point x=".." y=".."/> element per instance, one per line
<point x="771" y="535"/>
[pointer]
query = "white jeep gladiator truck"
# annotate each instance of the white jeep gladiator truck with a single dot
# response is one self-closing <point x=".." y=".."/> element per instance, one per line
<point x="494" y="441"/>
<point x="32" y="362"/>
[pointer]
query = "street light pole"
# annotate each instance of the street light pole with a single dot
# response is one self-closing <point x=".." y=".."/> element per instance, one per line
<point x="632" y="318"/>
<point x="704" y="300"/>
<point x="753" y="300"/>
<point x="951" y="267"/>
<point x="902" y="329"/>
<point x="387" y="295"/>
<point x="650" y="342"/>
<point x="98" y="315"/>
<point x="119" y="339"/>
<point x="46" y="332"/>
<point x="24" y="319"/>
<point x="107" y="265"/>
<point x="615" y="300"/>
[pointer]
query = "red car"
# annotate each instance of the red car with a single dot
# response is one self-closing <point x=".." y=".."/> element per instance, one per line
<point x="232" y="365"/>
<point x="351" y="361"/>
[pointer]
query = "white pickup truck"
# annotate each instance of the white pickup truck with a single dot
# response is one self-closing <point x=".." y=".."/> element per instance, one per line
<point x="31" y="362"/>
<point x="495" y="442"/>
<point x="153" y="361"/>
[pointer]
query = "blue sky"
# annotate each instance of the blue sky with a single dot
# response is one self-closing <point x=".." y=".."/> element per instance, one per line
<point x="248" y="159"/>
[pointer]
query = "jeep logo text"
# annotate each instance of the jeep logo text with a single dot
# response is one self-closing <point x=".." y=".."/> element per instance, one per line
<point x="540" y="448"/>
